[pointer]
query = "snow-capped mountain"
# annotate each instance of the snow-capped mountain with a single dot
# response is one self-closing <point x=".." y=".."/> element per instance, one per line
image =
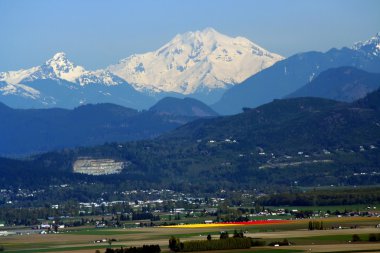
<point x="194" y="61"/>
<point x="201" y="64"/>
<point x="370" y="47"/>
<point x="60" y="83"/>
<point x="60" y="68"/>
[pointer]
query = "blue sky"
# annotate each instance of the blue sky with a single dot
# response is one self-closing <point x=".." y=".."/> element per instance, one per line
<point x="97" y="33"/>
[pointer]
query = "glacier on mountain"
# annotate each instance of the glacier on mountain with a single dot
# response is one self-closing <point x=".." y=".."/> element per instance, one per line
<point x="193" y="61"/>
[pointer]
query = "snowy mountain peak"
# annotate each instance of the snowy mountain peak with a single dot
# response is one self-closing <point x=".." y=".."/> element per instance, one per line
<point x="194" y="61"/>
<point x="60" y="60"/>
<point x="63" y="68"/>
<point x="60" y="68"/>
<point x="370" y="47"/>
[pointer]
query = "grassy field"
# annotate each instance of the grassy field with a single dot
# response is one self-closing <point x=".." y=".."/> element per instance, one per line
<point x="328" y="240"/>
<point x="103" y="232"/>
<point x="68" y="249"/>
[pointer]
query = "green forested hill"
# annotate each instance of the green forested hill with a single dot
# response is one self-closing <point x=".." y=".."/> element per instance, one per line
<point x="302" y="124"/>
<point x="302" y="141"/>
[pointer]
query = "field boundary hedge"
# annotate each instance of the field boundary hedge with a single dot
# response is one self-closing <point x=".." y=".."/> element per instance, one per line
<point x="205" y="245"/>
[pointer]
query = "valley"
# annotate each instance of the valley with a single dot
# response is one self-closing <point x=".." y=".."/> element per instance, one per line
<point x="189" y="126"/>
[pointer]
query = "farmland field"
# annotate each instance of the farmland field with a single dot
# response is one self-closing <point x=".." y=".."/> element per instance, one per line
<point x="327" y="240"/>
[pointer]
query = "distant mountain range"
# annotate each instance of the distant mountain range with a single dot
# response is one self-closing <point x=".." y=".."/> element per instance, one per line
<point x="201" y="64"/>
<point x="291" y="74"/>
<point x="26" y="131"/>
<point x="229" y="73"/>
<point x="308" y="138"/>
<point x="343" y="84"/>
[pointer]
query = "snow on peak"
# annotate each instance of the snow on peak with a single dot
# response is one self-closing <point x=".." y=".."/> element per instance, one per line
<point x="60" y="68"/>
<point x="59" y="60"/>
<point x="63" y="68"/>
<point x="195" y="60"/>
<point x="18" y="89"/>
<point x="370" y="47"/>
